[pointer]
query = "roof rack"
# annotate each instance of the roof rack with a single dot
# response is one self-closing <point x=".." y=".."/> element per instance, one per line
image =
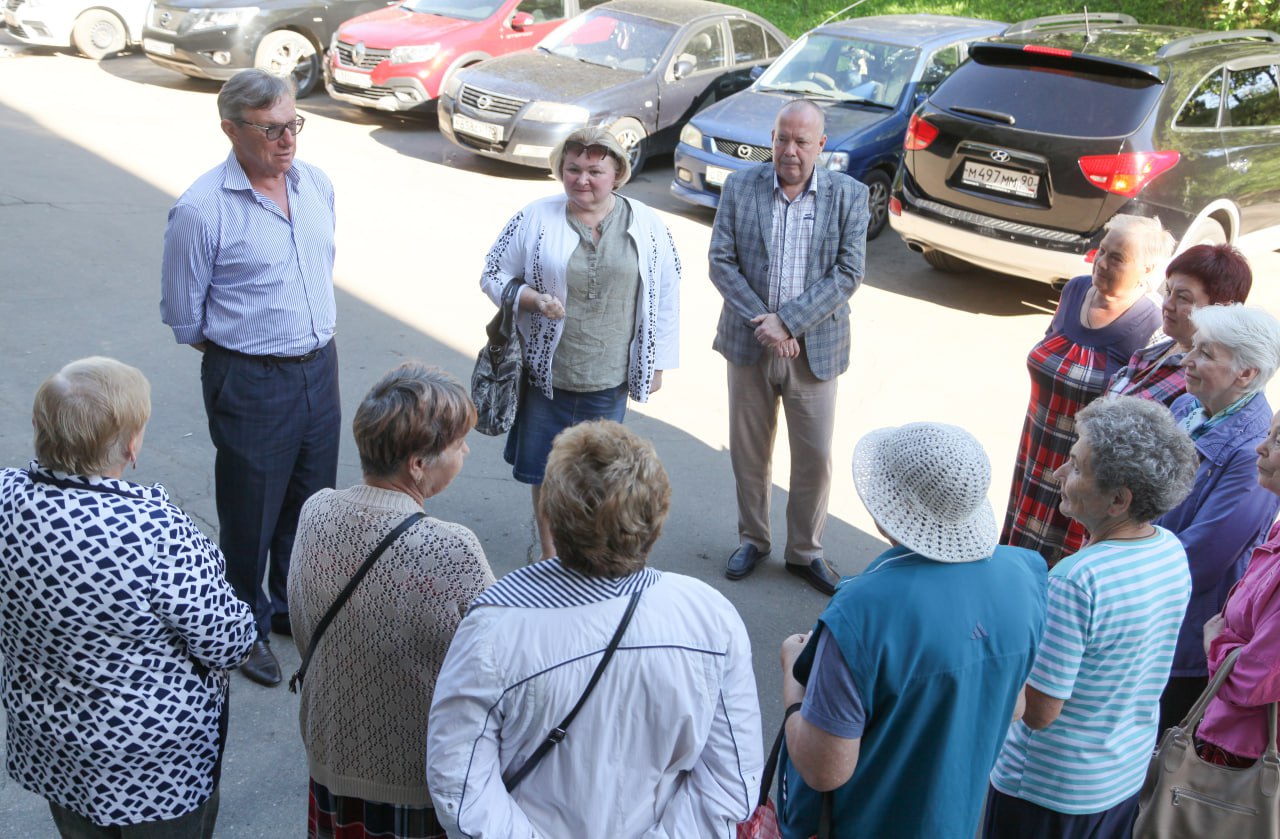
<point x="1217" y="39"/>
<point x="1041" y="24"/>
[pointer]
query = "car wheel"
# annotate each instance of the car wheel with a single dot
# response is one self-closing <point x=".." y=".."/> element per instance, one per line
<point x="98" y="34"/>
<point x="631" y="136"/>
<point x="1206" y="231"/>
<point x="877" y="184"/>
<point x="944" y="261"/>
<point x="286" y="53"/>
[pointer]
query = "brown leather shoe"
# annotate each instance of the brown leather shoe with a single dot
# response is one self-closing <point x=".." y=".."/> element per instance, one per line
<point x="261" y="665"/>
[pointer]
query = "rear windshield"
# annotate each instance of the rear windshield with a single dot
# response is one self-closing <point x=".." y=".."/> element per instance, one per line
<point x="1051" y="100"/>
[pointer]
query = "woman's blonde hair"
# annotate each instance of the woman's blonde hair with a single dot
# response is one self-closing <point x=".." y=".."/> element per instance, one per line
<point x="87" y="413"/>
<point x="593" y="137"/>
<point x="605" y="496"/>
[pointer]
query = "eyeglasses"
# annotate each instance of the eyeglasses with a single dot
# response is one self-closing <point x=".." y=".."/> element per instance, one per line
<point x="275" y="132"/>
<point x="592" y="152"/>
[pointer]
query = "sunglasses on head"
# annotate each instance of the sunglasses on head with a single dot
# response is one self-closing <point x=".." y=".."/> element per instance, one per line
<point x="591" y="151"/>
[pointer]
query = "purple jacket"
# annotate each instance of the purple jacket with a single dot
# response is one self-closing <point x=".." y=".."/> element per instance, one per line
<point x="1221" y="521"/>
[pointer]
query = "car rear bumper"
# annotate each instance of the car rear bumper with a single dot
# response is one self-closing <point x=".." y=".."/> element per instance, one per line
<point x="990" y="252"/>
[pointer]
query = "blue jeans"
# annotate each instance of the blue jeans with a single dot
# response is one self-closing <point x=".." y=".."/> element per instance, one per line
<point x="539" y="420"/>
<point x="198" y="824"/>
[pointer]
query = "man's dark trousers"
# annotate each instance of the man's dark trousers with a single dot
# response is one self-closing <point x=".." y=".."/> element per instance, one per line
<point x="276" y="427"/>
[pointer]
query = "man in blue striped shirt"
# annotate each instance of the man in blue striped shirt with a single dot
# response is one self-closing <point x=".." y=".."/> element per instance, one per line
<point x="247" y="279"/>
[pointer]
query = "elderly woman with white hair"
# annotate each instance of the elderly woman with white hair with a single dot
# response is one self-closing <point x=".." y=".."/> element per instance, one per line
<point x="916" y="666"/>
<point x="598" y="306"/>
<point x="1101" y="320"/>
<point x="1073" y="766"/>
<point x="117" y="628"/>
<point x="1235" y="352"/>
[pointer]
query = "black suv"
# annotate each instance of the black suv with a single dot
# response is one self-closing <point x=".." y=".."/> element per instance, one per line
<point x="215" y="39"/>
<point x="1017" y="160"/>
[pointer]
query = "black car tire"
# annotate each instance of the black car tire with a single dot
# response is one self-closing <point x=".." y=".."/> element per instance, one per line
<point x="877" y="184"/>
<point x="1206" y="231"/>
<point x="283" y="51"/>
<point x="98" y="34"/>
<point x="631" y="135"/>
<point x="944" y="261"/>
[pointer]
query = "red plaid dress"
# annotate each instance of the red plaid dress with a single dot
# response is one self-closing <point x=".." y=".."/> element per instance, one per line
<point x="1069" y="369"/>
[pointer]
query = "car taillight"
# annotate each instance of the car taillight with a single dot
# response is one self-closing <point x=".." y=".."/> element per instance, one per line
<point x="1126" y="174"/>
<point x="1090" y="256"/>
<point x="895" y="206"/>
<point x="919" y="134"/>
<point x="1058" y="51"/>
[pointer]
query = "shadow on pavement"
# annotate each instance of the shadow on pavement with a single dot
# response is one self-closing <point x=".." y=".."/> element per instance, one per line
<point x="81" y="278"/>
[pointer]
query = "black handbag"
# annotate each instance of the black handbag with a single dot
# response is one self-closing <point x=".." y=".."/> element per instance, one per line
<point x="496" y="379"/>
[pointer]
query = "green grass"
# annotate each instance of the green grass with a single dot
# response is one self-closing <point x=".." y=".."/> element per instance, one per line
<point x="798" y="16"/>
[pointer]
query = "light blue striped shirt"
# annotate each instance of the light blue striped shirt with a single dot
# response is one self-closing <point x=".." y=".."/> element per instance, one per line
<point x="1114" y="613"/>
<point x="236" y="271"/>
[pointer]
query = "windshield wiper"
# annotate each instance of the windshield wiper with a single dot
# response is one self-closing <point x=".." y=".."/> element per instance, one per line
<point x="995" y="116"/>
<point x="858" y="100"/>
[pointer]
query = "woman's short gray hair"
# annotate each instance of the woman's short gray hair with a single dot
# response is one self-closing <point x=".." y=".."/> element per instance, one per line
<point x="1250" y="334"/>
<point x="86" y="415"/>
<point x="1147" y="236"/>
<point x="1135" y="444"/>
<point x="252" y="90"/>
<point x="593" y="136"/>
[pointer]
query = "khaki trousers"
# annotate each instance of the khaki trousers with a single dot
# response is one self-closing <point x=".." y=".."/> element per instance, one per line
<point x="810" y="406"/>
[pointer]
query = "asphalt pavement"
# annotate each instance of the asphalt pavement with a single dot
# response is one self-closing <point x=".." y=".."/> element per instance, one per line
<point x="93" y="155"/>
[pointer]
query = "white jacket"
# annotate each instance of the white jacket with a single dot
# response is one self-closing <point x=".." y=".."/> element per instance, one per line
<point x="536" y="245"/>
<point x="668" y="745"/>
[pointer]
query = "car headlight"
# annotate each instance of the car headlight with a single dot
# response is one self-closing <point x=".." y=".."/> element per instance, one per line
<point x="414" y="53"/>
<point x="556" y="112"/>
<point x="333" y="41"/>
<point x="220" y="18"/>
<point x="691" y="135"/>
<point x="836" y="161"/>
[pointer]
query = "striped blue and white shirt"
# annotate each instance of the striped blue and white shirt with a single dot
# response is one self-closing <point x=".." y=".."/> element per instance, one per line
<point x="1114" y="613"/>
<point x="240" y="273"/>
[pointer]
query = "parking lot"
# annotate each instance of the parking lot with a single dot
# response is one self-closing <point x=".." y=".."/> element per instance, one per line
<point x="95" y="153"/>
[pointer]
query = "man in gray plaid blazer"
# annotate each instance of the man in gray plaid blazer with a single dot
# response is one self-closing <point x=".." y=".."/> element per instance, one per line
<point x="786" y="254"/>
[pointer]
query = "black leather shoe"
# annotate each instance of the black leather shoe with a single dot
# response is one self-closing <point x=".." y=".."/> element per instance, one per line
<point x="280" y="624"/>
<point x="261" y="665"/>
<point x="743" y="561"/>
<point x="819" y="574"/>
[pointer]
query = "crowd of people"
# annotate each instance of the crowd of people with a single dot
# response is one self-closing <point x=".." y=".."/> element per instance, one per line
<point x="968" y="681"/>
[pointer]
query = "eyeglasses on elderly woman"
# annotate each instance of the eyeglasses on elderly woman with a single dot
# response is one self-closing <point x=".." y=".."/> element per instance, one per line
<point x="275" y="132"/>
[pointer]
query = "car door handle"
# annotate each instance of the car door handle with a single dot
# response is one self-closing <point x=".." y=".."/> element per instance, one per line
<point x="1240" y="164"/>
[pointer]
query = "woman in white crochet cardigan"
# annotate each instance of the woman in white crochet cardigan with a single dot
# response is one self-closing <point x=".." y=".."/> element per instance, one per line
<point x="370" y="681"/>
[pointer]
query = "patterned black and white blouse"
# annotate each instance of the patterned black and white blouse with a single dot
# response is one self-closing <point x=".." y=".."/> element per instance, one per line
<point x="116" y="630"/>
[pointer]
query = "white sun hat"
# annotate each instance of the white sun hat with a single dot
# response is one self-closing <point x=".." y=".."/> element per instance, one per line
<point x="926" y="485"/>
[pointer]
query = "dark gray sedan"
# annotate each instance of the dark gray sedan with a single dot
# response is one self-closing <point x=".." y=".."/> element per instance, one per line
<point x="641" y="68"/>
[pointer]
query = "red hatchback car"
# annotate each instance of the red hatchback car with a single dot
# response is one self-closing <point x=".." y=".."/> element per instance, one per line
<point x="397" y="59"/>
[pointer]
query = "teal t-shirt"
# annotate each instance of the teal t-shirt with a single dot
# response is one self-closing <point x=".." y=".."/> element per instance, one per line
<point x="938" y="653"/>
<point x="1114" y="613"/>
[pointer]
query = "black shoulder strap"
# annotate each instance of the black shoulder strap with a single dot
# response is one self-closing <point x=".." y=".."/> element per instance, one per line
<point x="296" y="679"/>
<point x="64" y="484"/>
<point x="557" y="734"/>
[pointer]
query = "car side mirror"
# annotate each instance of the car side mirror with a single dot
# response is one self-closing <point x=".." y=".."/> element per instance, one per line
<point x="521" y="20"/>
<point x="757" y="71"/>
<point x="683" y="68"/>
